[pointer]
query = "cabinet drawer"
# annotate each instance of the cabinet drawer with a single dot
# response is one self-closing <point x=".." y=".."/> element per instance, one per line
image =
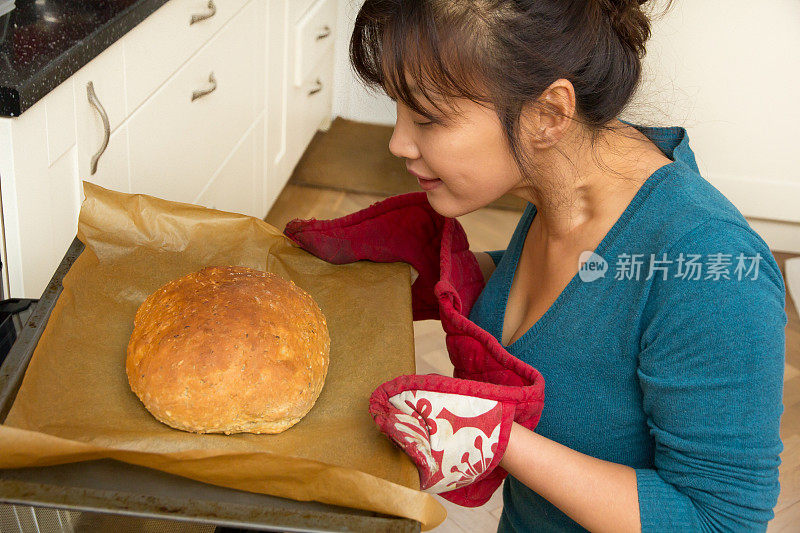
<point x="297" y="8"/>
<point x="233" y="188"/>
<point x="176" y="143"/>
<point x="314" y="37"/>
<point x="161" y="43"/>
<point x="310" y="105"/>
<point x="108" y="87"/>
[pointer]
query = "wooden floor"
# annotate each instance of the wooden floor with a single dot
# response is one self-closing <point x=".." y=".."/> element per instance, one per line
<point x="491" y="229"/>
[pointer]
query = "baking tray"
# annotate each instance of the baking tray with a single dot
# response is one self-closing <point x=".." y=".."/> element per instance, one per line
<point x="108" y="486"/>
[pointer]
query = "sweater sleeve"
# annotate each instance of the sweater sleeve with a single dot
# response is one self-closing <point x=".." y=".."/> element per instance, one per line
<point x="711" y="373"/>
<point x="496" y="255"/>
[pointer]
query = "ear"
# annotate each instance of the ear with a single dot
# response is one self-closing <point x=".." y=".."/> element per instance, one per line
<point x="547" y="119"/>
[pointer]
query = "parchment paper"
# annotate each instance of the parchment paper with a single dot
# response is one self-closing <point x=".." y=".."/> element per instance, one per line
<point x="75" y="403"/>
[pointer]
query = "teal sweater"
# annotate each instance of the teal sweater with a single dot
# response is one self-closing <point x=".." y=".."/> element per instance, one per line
<point x="679" y="376"/>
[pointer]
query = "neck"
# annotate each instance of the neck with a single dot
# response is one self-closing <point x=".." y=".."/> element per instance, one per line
<point x="580" y="185"/>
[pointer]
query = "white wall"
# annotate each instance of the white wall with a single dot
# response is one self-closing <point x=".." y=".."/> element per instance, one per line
<point x="351" y="100"/>
<point x="726" y="70"/>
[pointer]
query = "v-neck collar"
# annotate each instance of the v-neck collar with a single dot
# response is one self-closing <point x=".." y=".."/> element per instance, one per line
<point x="661" y="137"/>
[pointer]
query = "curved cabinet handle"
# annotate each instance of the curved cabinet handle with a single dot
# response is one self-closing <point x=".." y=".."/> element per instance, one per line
<point x="106" y="127"/>
<point x="316" y="89"/>
<point x="203" y="92"/>
<point x="326" y="30"/>
<point x="212" y="10"/>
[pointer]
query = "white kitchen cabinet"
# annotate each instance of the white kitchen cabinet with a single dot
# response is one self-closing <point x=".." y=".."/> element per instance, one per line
<point x="298" y="8"/>
<point x="232" y="149"/>
<point x="277" y="125"/>
<point x="112" y="167"/>
<point x="233" y="187"/>
<point x="108" y="83"/>
<point x="176" y="143"/>
<point x="40" y="202"/>
<point x="308" y="106"/>
<point x="148" y="62"/>
<point x="313" y="37"/>
<point x="308" y="102"/>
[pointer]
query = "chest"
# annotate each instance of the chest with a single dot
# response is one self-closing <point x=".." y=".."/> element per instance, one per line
<point x="538" y="281"/>
<point x="589" y="363"/>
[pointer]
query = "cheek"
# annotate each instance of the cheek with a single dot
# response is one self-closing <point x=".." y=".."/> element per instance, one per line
<point x="474" y="163"/>
<point x="452" y="155"/>
<point x="467" y="189"/>
<point x="472" y="167"/>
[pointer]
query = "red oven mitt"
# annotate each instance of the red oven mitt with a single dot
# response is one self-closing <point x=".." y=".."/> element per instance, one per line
<point x="403" y="228"/>
<point x="455" y="430"/>
<point x="475" y="353"/>
<point x="406" y="228"/>
<point x="483" y="369"/>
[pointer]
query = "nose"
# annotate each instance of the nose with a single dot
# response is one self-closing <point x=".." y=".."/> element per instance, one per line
<point x="402" y="143"/>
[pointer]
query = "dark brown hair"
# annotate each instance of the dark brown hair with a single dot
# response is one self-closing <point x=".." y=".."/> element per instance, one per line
<point x="504" y="53"/>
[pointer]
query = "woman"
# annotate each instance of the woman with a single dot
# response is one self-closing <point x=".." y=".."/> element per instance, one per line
<point x="654" y="313"/>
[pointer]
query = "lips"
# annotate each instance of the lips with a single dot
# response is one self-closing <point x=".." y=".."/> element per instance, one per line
<point x="427" y="184"/>
<point x="420" y="176"/>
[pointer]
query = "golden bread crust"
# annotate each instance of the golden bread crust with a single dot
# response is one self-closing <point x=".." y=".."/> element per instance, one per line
<point x="228" y="349"/>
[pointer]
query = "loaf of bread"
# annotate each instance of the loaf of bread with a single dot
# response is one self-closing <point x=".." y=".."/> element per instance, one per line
<point x="228" y="349"/>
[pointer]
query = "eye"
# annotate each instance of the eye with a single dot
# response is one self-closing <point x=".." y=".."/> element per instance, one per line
<point x="423" y="123"/>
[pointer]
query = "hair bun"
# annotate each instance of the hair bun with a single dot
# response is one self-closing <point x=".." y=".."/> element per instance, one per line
<point x="629" y="21"/>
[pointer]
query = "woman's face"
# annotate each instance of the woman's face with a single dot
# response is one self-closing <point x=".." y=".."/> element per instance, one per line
<point x="467" y="152"/>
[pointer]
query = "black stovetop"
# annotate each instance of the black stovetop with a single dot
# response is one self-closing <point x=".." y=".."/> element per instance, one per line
<point x="49" y="40"/>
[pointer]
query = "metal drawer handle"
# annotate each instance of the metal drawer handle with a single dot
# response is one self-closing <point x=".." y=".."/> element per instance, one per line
<point x="212" y="10"/>
<point x="316" y="89"/>
<point x="326" y="31"/>
<point x="106" y="127"/>
<point x="203" y="92"/>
